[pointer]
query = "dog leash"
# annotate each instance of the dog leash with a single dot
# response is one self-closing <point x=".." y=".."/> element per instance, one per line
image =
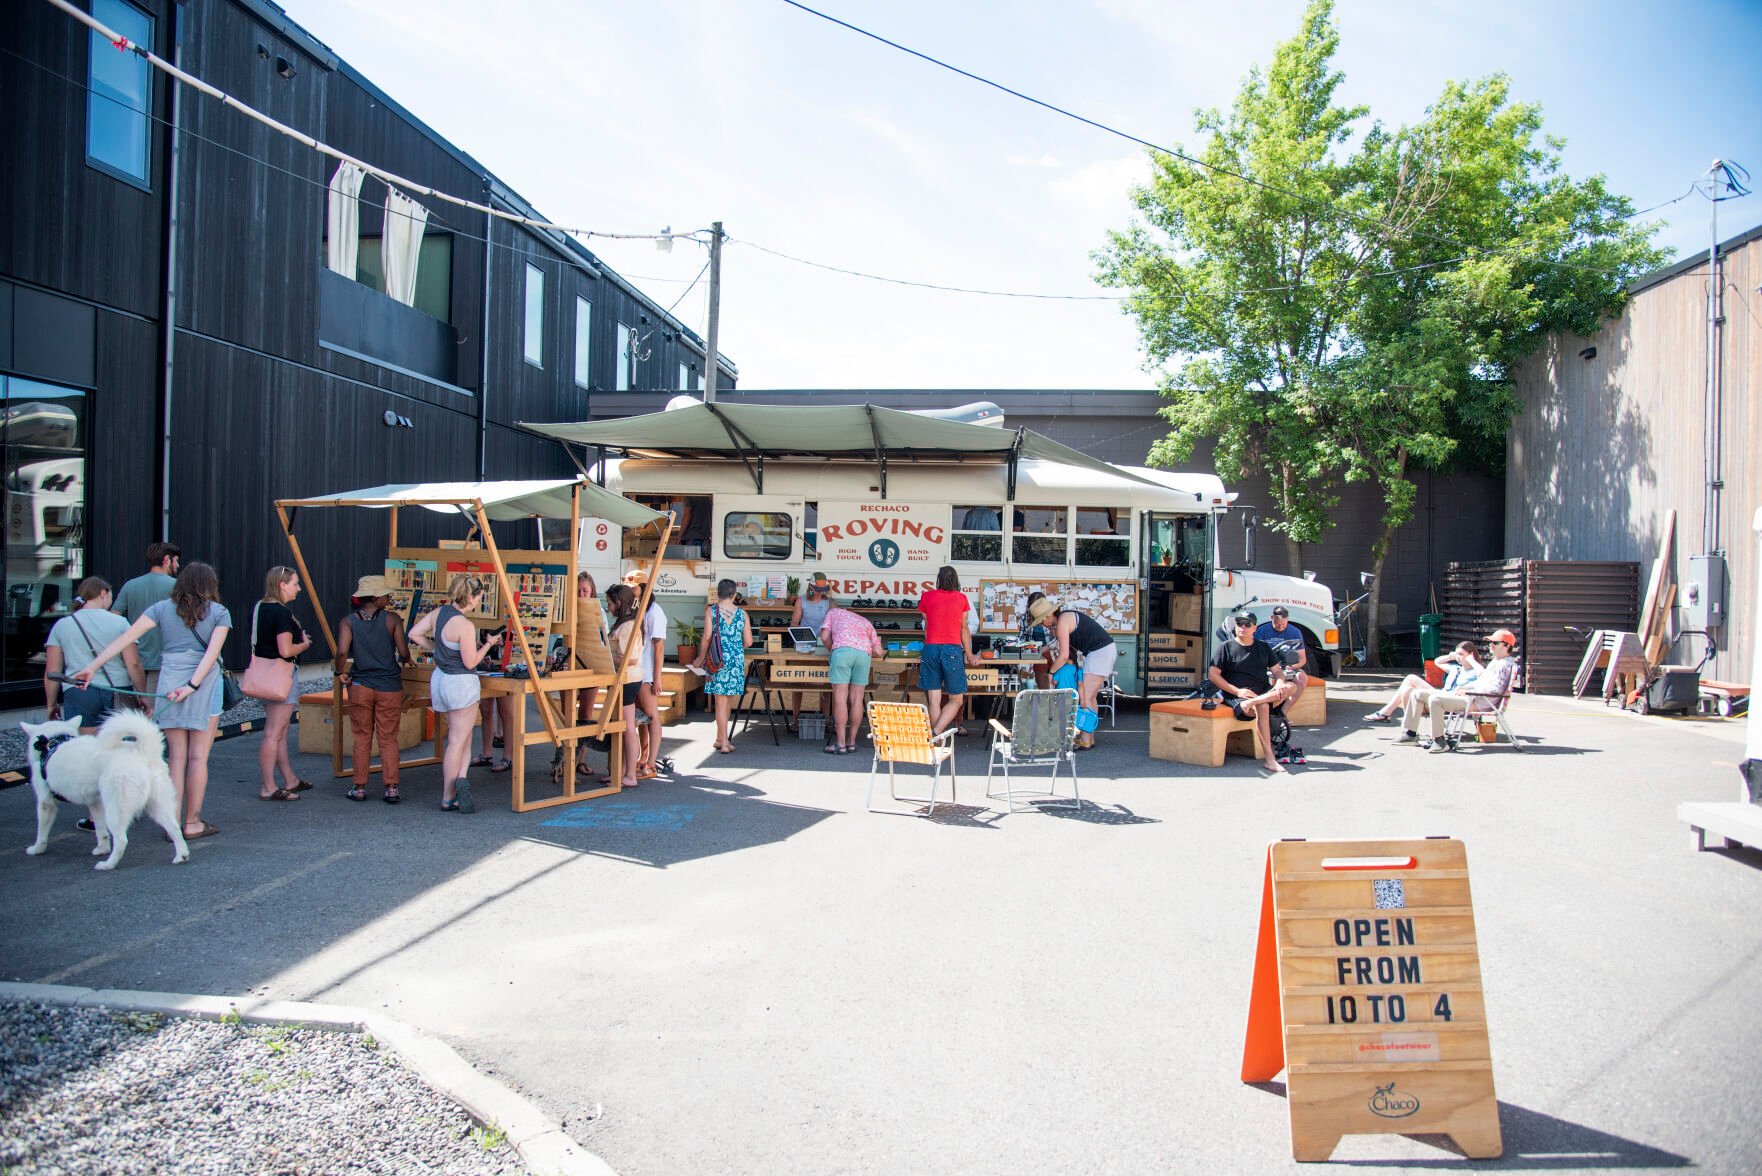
<point x="69" y="680"/>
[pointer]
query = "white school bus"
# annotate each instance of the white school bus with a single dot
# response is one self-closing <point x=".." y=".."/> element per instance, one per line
<point x="1140" y="558"/>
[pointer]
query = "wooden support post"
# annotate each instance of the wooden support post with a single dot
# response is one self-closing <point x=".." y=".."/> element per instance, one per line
<point x="495" y="555"/>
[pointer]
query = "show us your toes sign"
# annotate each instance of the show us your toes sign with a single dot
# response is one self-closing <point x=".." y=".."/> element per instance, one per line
<point x="1367" y="989"/>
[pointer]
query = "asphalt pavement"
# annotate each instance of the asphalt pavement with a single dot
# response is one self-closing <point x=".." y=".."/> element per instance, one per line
<point x="741" y="970"/>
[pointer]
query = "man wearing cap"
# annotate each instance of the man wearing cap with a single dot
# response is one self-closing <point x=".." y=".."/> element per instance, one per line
<point x="375" y="636"/>
<point x="1244" y="670"/>
<point x="1288" y="644"/>
<point x="1478" y="696"/>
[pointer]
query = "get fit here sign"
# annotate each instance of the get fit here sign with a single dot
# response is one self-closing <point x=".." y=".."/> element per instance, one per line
<point x="882" y="548"/>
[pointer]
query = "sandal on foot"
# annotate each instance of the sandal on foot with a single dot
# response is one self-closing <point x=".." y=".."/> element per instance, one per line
<point x="500" y="765"/>
<point x="449" y="806"/>
<point x="301" y="786"/>
<point x="834" y="749"/>
<point x="482" y="761"/>
<point x="356" y="794"/>
<point x="1373" y="717"/>
<point x="391" y="795"/>
<point x="279" y="794"/>
<point x="205" y="830"/>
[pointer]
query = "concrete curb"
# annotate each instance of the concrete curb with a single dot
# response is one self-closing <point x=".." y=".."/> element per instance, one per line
<point x="543" y="1145"/>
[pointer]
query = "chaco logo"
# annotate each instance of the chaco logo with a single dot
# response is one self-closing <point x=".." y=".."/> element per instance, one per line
<point x="1389" y="1105"/>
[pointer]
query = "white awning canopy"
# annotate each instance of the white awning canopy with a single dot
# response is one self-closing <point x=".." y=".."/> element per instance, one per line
<point x="502" y="501"/>
<point x="755" y="433"/>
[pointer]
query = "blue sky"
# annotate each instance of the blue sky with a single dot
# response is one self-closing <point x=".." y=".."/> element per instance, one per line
<point x="630" y="115"/>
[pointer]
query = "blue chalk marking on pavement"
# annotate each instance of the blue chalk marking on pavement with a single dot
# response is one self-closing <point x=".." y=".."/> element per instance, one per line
<point x="623" y="814"/>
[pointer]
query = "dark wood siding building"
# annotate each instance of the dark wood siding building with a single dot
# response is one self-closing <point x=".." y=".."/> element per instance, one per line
<point x="278" y="376"/>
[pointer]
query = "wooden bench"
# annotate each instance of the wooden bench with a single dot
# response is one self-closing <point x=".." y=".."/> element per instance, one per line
<point x="1737" y="822"/>
<point x="1188" y="734"/>
<point x="1312" y="709"/>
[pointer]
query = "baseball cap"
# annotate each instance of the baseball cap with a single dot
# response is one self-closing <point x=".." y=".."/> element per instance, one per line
<point x="1281" y="611"/>
<point x="1503" y="635"/>
<point x="1244" y="618"/>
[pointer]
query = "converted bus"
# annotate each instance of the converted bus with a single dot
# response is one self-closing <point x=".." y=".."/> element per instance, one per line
<point x="1136" y="549"/>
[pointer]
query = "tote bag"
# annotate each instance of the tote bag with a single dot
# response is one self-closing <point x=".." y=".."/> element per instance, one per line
<point x="267" y="679"/>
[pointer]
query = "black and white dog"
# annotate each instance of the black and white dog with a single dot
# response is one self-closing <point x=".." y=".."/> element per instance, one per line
<point x="116" y="774"/>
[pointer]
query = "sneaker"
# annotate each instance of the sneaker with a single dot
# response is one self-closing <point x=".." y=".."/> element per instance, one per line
<point x="1428" y="745"/>
<point x="1407" y="737"/>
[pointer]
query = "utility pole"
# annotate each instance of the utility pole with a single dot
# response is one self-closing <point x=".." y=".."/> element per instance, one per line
<point x="710" y="366"/>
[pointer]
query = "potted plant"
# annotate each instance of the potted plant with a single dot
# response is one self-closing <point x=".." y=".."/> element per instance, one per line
<point x="794" y="587"/>
<point x="690" y="635"/>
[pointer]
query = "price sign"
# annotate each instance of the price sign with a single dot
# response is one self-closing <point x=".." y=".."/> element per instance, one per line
<point x="1367" y="989"/>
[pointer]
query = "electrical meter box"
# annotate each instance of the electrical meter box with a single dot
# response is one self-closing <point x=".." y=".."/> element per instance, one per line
<point x="1702" y="598"/>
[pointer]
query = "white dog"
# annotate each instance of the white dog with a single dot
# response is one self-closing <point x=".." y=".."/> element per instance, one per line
<point x="116" y="774"/>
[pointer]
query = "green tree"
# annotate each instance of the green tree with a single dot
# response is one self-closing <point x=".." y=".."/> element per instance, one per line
<point x="1348" y="307"/>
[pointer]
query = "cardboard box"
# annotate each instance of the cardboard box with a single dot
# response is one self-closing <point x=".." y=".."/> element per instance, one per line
<point x="1173" y="679"/>
<point x="315" y="719"/>
<point x="1187" y="613"/>
<point x="1174" y="643"/>
<point x="1173" y="660"/>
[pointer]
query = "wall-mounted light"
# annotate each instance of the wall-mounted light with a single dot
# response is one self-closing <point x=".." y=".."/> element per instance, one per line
<point x="1588" y="353"/>
<point x="285" y="68"/>
<point x="262" y="51"/>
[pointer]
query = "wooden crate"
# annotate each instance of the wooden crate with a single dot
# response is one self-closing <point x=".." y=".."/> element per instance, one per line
<point x="1187" y="734"/>
<point x="1312" y="709"/>
<point x="315" y="721"/>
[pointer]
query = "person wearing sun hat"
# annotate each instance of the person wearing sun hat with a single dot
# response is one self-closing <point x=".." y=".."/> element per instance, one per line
<point x="1478" y="696"/>
<point x="374" y="634"/>
<point x="810" y="611"/>
<point x="1077" y="633"/>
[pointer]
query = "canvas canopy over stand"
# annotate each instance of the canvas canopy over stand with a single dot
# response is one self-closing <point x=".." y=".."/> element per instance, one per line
<point x="533" y="597"/>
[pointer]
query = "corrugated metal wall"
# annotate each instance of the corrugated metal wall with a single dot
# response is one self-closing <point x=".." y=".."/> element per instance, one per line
<point x="1606" y="446"/>
<point x="1537" y="599"/>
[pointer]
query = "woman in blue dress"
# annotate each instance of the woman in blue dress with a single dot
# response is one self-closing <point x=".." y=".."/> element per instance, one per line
<point x="727" y="626"/>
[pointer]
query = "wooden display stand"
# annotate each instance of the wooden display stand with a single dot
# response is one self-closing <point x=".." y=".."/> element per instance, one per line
<point x="530" y="605"/>
<point x="1367" y="991"/>
<point x="1312" y="709"/>
<point x="1188" y="734"/>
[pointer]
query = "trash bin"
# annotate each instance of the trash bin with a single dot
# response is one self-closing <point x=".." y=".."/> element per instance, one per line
<point x="1429" y="643"/>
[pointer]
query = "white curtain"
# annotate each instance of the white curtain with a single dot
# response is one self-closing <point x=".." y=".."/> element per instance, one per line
<point x="343" y="219"/>
<point x="401" y="248"/>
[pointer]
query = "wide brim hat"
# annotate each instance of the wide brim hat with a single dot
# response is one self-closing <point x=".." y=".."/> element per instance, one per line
<point x="372" y="586"/>
<point x="1042" y="608"/>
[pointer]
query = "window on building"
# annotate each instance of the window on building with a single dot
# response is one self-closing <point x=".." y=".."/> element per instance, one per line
<point x="976" y="534"/>
<point x="685" y="377"/>
<point x="755" y="534"/>
<point x="1038" y="534"/>
<point x="434" y="273"/>
<point x="43" y="466"/>
<point x="810" y="530"/>
<point x="1104" y="537"/>
<point x="625" y="339"/>
<point x="119" y="95"/>
<point x="535" y="316"/>
<point x="583" y="342"/>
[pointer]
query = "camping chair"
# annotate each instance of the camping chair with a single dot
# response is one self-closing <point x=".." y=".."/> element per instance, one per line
<point x="1045" y="733"/>
<point x="1464" y="727"/>
<point x="1107" y="699"/>
<point x="901" y="734"/>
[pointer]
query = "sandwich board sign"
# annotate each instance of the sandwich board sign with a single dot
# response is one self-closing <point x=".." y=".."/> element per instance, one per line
<point x="1367" y="990"/>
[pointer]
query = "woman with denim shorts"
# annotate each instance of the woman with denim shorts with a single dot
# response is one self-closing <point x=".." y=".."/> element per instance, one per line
<point x="948" y="649"/>
<point x="852" y="640"/>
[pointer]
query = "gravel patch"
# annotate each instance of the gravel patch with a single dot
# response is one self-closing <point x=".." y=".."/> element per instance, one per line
<point x="87" y="1090"/>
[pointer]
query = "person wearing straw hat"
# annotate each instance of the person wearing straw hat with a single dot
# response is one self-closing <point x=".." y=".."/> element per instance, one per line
<point x="375" y="636"/>
<point x="1075" y="634"/>
<point x="1477" y="696"/>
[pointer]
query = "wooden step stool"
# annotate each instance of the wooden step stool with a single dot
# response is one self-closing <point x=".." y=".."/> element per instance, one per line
<point x="1188" y="734"/>
<point x="1312" y="709"/>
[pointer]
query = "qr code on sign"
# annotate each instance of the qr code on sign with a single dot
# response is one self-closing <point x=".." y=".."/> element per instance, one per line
<point x="1391" y="894"/>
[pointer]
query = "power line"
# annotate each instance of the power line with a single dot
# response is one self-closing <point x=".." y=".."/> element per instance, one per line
<point x="1308" y="201"/>
<point x="820" y="265"/>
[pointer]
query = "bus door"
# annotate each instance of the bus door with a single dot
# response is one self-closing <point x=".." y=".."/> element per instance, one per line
<point x="1174" y="600"/>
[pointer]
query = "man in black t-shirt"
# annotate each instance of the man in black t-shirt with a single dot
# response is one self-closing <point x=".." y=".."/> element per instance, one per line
<point x="1244" y="670"/>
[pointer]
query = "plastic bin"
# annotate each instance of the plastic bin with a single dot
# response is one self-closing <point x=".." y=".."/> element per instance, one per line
<point x="811" y="726"/>
<point x="1430" y="641"/>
